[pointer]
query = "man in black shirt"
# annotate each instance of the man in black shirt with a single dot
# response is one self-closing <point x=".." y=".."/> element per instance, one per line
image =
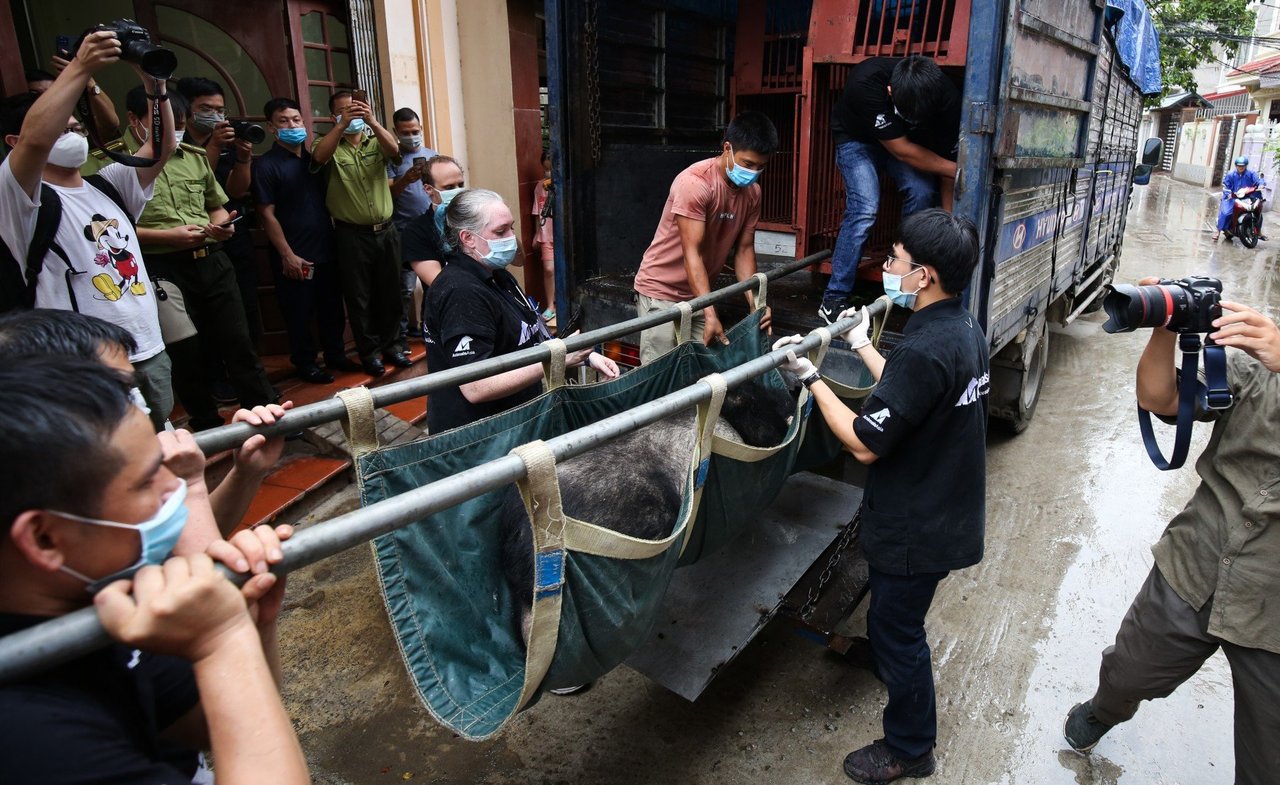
<point x="94" y="507"/>
<point x="290" y="199"/>
<point x="422" y="247"/>
<point x="902" y="116"/>
<point x="923" y="433"/>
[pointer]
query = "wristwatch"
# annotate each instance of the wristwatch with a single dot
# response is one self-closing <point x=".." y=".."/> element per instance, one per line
<point x="94" y="89"/>
<point x="809" y="380"/>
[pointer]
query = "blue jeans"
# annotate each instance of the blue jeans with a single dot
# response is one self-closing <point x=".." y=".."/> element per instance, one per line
<point x="859" y="163"/>
<point x="895" y="627"/>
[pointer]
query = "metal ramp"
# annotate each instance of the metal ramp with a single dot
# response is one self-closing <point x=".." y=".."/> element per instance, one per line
<point x="715" y="607"/>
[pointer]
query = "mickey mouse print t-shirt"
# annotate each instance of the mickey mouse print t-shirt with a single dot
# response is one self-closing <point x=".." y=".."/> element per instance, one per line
<point x="105" y="276"/>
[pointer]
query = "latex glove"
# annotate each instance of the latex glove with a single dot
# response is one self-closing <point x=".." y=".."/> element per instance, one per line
<point x="800" y="366"/>
<point x="856" y="336"/>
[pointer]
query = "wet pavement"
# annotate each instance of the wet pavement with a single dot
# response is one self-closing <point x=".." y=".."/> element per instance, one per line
<point x="1073" y="507"/>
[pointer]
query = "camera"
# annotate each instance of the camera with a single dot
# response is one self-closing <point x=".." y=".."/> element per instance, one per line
<point x="1186" y="306"/>
<point x="136" y="47"/>
<point x="248" y="131"/>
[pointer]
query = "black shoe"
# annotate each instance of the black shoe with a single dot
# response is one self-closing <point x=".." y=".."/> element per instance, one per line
<point x="314" y="374"/>
<point x="373" y="367"/>
<point x="830" y="310"/>
<point x="221" y="391"/>
<point x="400" y="359"/>
<point x="874" y="764"/>
<point x="1083" y="730"/>
<point x="341" y="364"/>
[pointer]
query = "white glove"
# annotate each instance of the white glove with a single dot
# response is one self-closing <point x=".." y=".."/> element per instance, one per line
<point x="856" y="336"/>
<point x="800" y="366"/>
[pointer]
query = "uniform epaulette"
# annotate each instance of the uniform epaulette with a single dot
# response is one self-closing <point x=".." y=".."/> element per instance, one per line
<point x="191" y="148"/>
<point x="115" y="146"/>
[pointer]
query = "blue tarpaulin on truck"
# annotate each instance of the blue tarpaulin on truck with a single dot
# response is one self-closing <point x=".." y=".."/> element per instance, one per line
<point x="1137" y="43"/>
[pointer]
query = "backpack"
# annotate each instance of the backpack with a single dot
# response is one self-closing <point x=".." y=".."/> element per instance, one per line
<point x="18" y="283"/>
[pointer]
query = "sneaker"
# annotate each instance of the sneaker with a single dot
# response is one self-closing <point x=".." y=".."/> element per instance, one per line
<point x="874" y="764"/>
<point x="830" y="309"/>
<point x="1082" y="730"/>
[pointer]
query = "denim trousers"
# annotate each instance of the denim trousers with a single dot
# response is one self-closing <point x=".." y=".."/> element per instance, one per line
<point x="860" y="164"/>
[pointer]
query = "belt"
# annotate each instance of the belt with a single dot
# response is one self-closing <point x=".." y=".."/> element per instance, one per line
<point x="371" y="228"/>
<point x="194" y="253"/>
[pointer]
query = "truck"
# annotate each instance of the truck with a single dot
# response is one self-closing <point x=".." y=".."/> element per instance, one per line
<point x="1052" y="95"/>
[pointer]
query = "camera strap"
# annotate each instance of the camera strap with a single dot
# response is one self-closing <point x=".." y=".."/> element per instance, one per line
<point x="1214" y="394"/>
<point x="95" y="139"/>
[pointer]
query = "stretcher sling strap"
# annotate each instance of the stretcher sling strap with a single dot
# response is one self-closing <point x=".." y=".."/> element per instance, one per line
<point x="684" y="327"/>
<point x="360" y="423"/>
<point x="553" y="368"/>
<point x="876" y="331"/>
<point x="541" y="494"/>
<point x="762" y="292"/>
<point x="708" y="413"/>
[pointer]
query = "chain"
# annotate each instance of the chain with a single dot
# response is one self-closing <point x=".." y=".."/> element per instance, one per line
<point x="847" y="534"/>
<point x="592" y="54"/>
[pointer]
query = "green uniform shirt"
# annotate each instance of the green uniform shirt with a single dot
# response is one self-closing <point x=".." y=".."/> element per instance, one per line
<point x="97" y="159"/>
<point x="185" y="192"/>
<point x="1225" y="543"/>
<point x="357" y="190"/>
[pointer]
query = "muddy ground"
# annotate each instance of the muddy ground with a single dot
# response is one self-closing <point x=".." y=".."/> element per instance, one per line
<point x="1073" y="507"/>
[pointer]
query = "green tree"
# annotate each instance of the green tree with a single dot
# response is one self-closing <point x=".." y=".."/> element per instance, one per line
<point x="1193" y="32"/>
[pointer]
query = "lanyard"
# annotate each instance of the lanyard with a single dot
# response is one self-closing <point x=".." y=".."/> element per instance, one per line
<point x="1214" y="395"/>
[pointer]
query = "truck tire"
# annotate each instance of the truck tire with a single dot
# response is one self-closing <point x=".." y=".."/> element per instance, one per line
<point x="1017" y="377"/>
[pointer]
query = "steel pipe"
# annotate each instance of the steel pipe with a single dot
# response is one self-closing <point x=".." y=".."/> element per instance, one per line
<point x="230" y="436"/>
<point x="61" y="640"/>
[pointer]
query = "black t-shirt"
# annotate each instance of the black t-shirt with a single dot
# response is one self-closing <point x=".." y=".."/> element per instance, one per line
<point x="474" y="313"/>
<point x="421" y="240"/>
<point x="96" y="719"/>
<point x="285" y="180"/>
<point x="865" y="112"/>
<point x="925" y="504"/>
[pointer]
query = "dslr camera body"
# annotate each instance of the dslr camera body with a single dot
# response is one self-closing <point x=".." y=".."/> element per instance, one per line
<point x="1186" y="306"/>
<point x="136" y="47"/>
<point x="248" y="131"/>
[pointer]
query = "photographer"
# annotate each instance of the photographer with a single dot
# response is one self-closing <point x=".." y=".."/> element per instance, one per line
<point x="93" y="263"/>
<point x="1217" y="565"/>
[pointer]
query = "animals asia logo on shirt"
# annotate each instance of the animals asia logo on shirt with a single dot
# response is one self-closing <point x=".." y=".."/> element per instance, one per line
<point x="978" y="387"/>
<point x="463" y="349"/>
<point x="877" y="419"/>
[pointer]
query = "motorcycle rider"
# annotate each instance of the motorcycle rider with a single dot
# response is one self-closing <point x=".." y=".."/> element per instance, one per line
<point x="1232" y="182"/>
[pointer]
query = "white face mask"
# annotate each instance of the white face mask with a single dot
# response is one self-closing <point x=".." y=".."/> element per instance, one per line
<point x="178" y="136"/>
<point x="70" y="151"/>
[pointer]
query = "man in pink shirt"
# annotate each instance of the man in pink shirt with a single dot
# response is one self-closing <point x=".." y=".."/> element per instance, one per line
<point x="710" y="213"/>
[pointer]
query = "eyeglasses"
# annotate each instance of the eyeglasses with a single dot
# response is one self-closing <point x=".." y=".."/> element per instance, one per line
<point x="890" y="259"/>
<point x="75" y="129"/>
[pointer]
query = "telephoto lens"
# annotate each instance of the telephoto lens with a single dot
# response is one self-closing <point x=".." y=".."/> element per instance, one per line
<point x="248" y="131"/>
<point x="1189" y="305"/>
<point x="136" y="47"/>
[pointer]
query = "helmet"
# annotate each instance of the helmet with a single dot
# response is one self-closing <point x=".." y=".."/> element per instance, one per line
<point x="1242" y="161"/>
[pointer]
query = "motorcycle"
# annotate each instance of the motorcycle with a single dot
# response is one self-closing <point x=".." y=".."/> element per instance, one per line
<point x="1246" y="215"/>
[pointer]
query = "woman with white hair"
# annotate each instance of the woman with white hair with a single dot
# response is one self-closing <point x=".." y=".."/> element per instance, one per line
<point x="476" y="310"/>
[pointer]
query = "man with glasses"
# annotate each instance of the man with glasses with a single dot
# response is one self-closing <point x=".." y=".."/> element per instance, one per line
<point x="900" y="116"/>
<point x="710" y="213"/>
<point x="93" y="263"/>
<point x="923" y="434"/>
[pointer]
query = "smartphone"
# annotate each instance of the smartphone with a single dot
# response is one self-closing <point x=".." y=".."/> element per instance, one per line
<point x="308" y="271"/>
<point x="360" y="95"/>
<point x="62" y="47"/>
<point x="232" y="221"/>
<point x="420" y="163"/>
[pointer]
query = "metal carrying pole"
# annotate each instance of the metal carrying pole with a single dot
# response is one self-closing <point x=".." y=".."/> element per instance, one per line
<point x="230" y="436"/>
<point x="52" y="643"/>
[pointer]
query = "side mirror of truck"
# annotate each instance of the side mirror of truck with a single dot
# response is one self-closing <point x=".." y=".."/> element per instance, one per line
<point x="1151" y="151"/>
<point x="1142" y="174"/>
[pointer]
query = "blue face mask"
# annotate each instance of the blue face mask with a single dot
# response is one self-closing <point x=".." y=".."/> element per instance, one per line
<point x="291" y="135"/>
<point x="445" y="197"/>
<point x="502" y="251"/>
<point x="740" y="175"/>
<point x="893" y="288"/>
<point x="158" y="535"/>
<point x="356" y="126"/>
